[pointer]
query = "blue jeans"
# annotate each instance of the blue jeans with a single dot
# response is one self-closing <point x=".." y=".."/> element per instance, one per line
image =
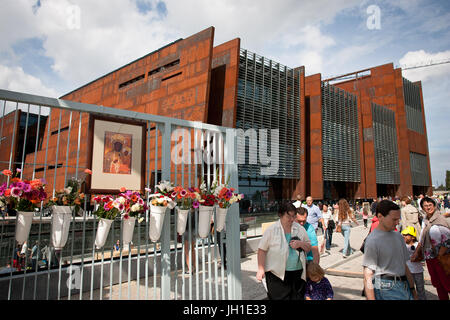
<point x="328" y="237"/>
<point x="346" y="228"/>
<point x="392" y="290"/>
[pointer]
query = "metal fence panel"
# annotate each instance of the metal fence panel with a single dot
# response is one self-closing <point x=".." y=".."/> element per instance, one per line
<point x="50" y="143"/>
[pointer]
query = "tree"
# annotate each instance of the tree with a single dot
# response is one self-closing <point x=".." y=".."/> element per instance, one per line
<point x="447" y="179"/>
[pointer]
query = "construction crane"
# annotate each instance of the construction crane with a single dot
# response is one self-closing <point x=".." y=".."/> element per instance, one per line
<point x="425" y="64"/>
<point x="404" y="67"/>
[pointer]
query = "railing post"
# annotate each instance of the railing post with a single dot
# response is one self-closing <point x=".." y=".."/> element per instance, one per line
<point x="165" y="234"/>
<point x="232" y="223"/>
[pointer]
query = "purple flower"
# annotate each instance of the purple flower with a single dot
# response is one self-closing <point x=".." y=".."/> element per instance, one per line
<point x="105" y="206"/>
<point x="195" y="204"/>
<point x="20" y="185"/>
<point x="26" y="187"/>
<point x="42" y="195"/>
<point x="229" y="194"/>
<point x="2" y="189"/>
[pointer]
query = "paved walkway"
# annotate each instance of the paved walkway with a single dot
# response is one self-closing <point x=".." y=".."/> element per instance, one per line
<point x="345" y="275"/>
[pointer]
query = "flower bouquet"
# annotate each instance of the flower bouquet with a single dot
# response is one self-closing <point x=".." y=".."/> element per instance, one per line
<point x="206" y="207"/>
<point x="185" y="202"/>
<point x="25" y="197"/>
<point x="134" y="206"/>
<point x="225" y="198"/>
<point x="61" y="206"/>
<point x="159" y="203"/>
<point x="107" y="210"/>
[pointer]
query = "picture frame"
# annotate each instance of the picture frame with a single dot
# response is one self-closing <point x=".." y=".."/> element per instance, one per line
<point x="116" y="155"/>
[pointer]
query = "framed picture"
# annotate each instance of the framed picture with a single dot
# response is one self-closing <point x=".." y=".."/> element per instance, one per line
<point x="116" y="155"/>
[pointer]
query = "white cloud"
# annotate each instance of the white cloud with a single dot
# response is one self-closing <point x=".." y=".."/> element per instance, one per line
<point x="420" y="57"/>
<point x="15" y="79"/>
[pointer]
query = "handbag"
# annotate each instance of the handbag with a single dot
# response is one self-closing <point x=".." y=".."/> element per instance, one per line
<point x="419" y="254"/>
<point x="444" y="261"/>
<point x="364" y="242"/>
<point x="331" y="224"/>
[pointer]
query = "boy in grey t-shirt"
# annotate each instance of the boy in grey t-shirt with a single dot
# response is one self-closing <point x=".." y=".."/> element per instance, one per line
<point x="386" y="275"/>
<point x="385" y="253"/>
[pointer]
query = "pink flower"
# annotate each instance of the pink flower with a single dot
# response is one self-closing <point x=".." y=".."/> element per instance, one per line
<point x="16" y="192"/>
<point x="195" y="204"/>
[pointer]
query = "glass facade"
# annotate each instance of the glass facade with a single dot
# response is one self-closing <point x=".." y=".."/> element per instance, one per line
<point x="268" y="98"/>
<point x="385" y="145"/>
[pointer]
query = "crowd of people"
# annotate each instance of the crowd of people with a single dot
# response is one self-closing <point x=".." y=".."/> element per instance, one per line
<point x="405" y="235"/>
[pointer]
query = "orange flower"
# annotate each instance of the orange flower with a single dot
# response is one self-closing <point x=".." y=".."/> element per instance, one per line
<point x="7" y="192"/>
<point x="7" y="172"/>
<point x="123" y="189"/>
<point x="87" y="171"/>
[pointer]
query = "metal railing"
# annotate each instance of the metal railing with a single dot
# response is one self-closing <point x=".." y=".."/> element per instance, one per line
<point x="147" y="270"/>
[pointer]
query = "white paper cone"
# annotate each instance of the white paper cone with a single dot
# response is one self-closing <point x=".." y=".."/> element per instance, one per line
<point x="221" y="215"/>
<point x="127" y="230"/>
<point x="182" y="216"/>
<point x="157" y="214"/>
<point x="61" y="216"/>
<point x="102" y="232"/>
<point x="23" y="226"/>
<point x="204" y="220"/>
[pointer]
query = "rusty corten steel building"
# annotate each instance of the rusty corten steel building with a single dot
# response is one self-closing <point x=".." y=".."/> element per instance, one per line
<point x="358" y="138"/>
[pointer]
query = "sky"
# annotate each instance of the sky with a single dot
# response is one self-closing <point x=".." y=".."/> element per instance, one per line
<point x="51" y="47"/>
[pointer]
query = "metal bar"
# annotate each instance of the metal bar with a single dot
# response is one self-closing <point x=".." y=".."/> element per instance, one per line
<point x="37" y="142"/>
<point x="24" y="143"/>
<point x="165" y="235"/>
<point x="101" y="110"/>
<point x="67" y="151"/>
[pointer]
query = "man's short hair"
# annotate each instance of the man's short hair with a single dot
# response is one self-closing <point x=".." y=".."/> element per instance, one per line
<point x="427" y="199"/>
<point x="301" y="211"/>
<point x="286" y="207"/>
<point x="385" y="206"/>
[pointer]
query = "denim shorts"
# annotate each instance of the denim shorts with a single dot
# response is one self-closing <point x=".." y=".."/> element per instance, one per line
<point x="392" y="290"/>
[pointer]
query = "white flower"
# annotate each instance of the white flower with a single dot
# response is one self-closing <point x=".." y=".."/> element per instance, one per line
<point x="165" y="186"/>
<point x="136" y="207"/>
<point x="68" y="190"/>
<point x="121" y="200"/>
